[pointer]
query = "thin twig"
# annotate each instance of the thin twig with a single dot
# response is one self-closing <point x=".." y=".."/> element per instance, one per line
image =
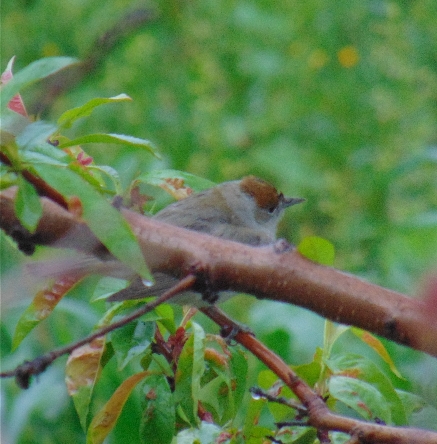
<point x="28" y="368"/>
<point x="256" y="391"/>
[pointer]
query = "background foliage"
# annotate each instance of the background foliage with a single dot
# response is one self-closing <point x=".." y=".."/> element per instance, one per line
<point x="335" y="102"/>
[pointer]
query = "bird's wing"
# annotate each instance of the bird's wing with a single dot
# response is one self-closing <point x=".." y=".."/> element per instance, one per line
<point x="137" y="290"/>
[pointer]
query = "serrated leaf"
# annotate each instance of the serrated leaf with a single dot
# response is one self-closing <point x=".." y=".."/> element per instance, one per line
<point x="31" y="74"/>
<point x="373" y="342"/>
<point x="81" y="373"/>
<point x="119" y="139"/>
<point x="103" y="219"/>
<point x="27" y="205"/>
<point x="42" y="305"/>
<point x="69" y="117"/>
<point x="35" y="134"/>
<point x="360" y="396"/>
<point x="106" y="418"/>
<point x="317" y="249"/>
<point x="158" y="420"/>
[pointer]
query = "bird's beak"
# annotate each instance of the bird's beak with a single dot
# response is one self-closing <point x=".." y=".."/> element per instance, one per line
<point x="289" y="201"/>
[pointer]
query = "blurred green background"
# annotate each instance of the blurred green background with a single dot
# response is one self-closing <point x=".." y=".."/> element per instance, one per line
<point x="332" y="101"/>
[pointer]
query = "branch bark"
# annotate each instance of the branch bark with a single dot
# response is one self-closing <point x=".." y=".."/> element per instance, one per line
<point x="261" y="271"/>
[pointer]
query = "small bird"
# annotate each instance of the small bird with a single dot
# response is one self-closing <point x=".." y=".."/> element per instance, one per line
<point x="246" y="211"/>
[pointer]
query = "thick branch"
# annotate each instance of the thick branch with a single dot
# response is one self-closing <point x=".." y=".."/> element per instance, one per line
<point x="286" y="277"/>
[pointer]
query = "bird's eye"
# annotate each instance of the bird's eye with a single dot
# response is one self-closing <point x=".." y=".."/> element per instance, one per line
<point x="271" y="210"/>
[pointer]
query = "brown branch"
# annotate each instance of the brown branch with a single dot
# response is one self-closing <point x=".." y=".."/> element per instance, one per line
<point x="23" y="372"/>
<point x="319" y="416"/>
<point x="261" y="271"/>
<point x="42" y="187"/>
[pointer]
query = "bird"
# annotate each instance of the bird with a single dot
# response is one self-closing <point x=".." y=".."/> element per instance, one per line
<point x="246" y="211"/>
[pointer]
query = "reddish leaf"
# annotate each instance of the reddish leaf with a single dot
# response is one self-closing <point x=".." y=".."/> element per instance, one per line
<point x="378" y="347"/>
<point x="16" y="104"/>
<point x="81" y="373"/>
<point x="42" y="305"/>
<point x="83" y="365"/>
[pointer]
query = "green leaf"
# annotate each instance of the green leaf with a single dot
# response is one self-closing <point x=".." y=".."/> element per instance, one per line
<point x="31" y="74"/>
<point x="131" y="341"/>
<point x="359" y="367"/>
<point x="109" y="172"/>
<point x="251" y="431"/>
<point x="27" y="205"/>
<point x="419" y="412"/>
<point x="159" y="417"/>
<point x="45" y="154"/>
<point x="373" y="342"/>
<point x="217" y="395"/>
<point x="107" y="286"/>
<point x="69" y="117"/>
<point x="206" y="433"/>
<point x="239" y="367"/>
<point x="159" y="178"/>
<point x="106" y="418"/>
<point x="11" y="124"/>
<point x="331" y="333"/>
<point x="191" y="367"/>
<point x="35" y="134"/>
<point x="310" y="372"/>
<point x="94" y="179"/>
<point x="119" y="139"/>
<point x="317" y="249"/>
<point x="360" y="396"/>
<point x="167" y="317"/>
<point x="103" y="219"/>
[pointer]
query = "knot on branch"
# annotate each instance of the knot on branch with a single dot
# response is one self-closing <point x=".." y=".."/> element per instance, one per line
<point x="204" y="284"/>
<point x="27" y="369"/>
<point x="23" y="238"/>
